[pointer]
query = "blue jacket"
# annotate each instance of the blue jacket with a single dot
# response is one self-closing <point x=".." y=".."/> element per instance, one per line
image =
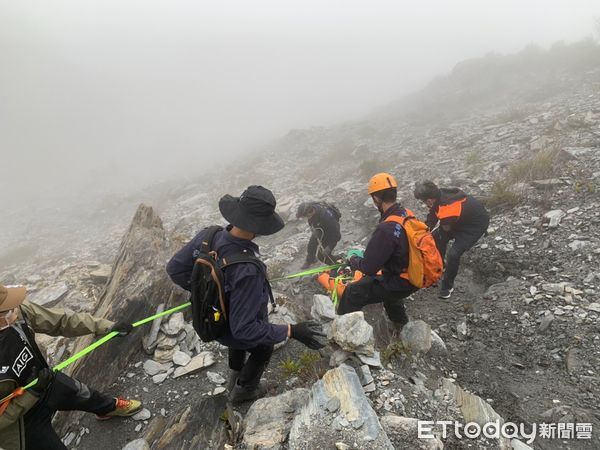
<point x="246" y="291"/>
<point x="387" y="251"/>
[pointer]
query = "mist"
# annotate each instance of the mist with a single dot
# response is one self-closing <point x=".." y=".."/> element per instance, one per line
<point x="109" y="96"/>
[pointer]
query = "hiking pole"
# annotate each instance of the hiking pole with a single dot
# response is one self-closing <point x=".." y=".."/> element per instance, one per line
<point x="90" y="348"/>
<point x="309" y="272"/>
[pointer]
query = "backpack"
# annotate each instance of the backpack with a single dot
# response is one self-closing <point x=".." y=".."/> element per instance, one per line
<point x="333" y="209"/>
<point x="209" y="312"/>
<point x="425" y="264"/>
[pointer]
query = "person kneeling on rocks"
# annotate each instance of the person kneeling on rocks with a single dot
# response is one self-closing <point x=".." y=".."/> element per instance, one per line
<point x="250" y="337"/>
<point x="461" y="217"/>
<point x="26" y="419"/>
<point x="387" y="251"/>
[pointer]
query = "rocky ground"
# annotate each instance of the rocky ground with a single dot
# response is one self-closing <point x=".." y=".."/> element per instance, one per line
<point x="519" y="341"/>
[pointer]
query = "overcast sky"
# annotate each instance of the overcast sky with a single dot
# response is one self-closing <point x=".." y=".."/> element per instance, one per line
<point x="123" y="90"/>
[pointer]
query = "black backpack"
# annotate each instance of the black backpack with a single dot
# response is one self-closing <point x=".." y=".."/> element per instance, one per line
<point x="209" y="313"/>
<point x="334" y="210"/>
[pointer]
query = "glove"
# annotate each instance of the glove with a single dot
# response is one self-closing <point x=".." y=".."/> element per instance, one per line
<point x="45" y="378"/>
<point x="123" y="328"/>
<point x="308" y="333"/>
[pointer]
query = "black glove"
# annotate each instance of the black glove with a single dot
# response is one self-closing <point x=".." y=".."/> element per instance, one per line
<point x="353" y="262"/>
<point x="123" y="328"/>
<point x="45" y="378"/>
<point x="308" y="333"/>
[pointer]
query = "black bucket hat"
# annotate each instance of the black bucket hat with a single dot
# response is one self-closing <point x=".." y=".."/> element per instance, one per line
<point x="253" y="211"/>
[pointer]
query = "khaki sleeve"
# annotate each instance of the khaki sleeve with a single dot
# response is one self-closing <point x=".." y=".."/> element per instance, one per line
<point x="17" y="408"/>
<point x="58" y="322"/>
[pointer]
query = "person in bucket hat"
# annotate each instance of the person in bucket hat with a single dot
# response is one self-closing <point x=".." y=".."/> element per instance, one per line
<point x="26" y="419"/>
<point x="250" y="337"/>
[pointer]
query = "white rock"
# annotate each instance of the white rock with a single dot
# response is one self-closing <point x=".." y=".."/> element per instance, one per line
<point x="594" y="307"/>
<point x="138" y="444"/>
<point x="197" y="363"/>
<point x="215" y="377"/>
<point x="144" y="414"/>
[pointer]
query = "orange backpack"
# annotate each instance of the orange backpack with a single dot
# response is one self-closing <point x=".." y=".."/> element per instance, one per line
<point x="425" y="264"/>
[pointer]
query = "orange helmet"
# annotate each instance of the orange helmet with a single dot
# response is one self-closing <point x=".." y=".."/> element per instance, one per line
<point x="381" y="181"/>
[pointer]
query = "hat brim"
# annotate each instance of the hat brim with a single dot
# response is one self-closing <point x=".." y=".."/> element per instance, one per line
<point x="232" y="212"/>
<point x="15" y="296"/>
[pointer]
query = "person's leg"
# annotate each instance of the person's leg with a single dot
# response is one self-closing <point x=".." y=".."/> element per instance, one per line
<point x="237" y="359"/>
<point x="357" y="295"/>
<point x="393" y="301"/>
<point x="442" y="238"/>
<point x="39" y="434"/>
<point x="69" y="394"/>
<point x="462" y="243"/>
<point x="248" y="386"/>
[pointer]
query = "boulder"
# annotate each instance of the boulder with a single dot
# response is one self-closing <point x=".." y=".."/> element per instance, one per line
<point x="315" y="426"/>
<point x="269" y="420"/>
<point x="404" y="433"/>
<point x="416" y="337"/>
<point x="352" y="333"/>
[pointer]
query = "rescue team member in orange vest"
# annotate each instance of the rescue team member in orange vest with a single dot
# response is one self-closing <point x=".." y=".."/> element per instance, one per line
<point x="387" y="251"/>
<point x="461" y="217"/>
<point x="26" y="420"/>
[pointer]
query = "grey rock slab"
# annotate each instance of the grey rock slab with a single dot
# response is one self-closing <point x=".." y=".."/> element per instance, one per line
<point x="404" y="433"/>
<point x="554" y="217"/>
<point x="152" y="367"/>
<point x="215" y="377"/>
<point x="312" y="429"/>
<point x="364" y="374"/>
<point x="373" y="360"/>
<point x="438" y="346"/>
<point x="416" y="336"/>
<point x="594" y="307"/>
<point x="138" y="444"/>
<point x="101" y="274"/>
<point x="546" y="322"/>
<point x="144" y="414"/>
<point x="181" y="359"/>
<point x="269" y="420"/>
<point x="174" y="324"/>
<point x="352" y="333"/>
<point x="198" y="362"/>
<point x="322" y="309"/>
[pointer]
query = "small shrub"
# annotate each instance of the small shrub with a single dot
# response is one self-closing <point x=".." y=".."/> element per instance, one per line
<point x="393" y="351"/>
<point x="542" y="165"/>
<point x="503" y="196"/>
<point x="307" y="367"/>
<point x="290" y="367"/>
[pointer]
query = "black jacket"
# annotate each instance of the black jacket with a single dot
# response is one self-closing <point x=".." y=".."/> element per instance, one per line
<point x="387" y="250"/>
<point x="460" y="212"/>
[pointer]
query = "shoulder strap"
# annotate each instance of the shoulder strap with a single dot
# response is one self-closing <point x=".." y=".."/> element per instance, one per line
<point x="207" y="243"/>
<point x="244" y="257"/>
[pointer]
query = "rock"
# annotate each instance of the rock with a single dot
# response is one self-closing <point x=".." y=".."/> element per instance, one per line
<point x="594" y="307"/>
<point x="198" y="426"/>
<point x="518" y="445"/>
<point x="403" y="432"/>
<point x="341" y="446"/>
<point x="373" y="360"/>
<point x="438" y="346"/>
<point x="416" y="336"/>
<point x="364" y="375"/>
<point x="151" y="367"/>
<point x="338" y="357"/>
<point x="198" y="362"/>
<point x="49" y="296"/>
<point x="159" y="378"/>
<point x="101" y="274"/>
<point x="174" y="325"/>
<point x="546" y="322"/>
<point x="219" y="390"/>
<point x="556" y="288"/>
<point x="269" y="420"/>
<point x="322" y="309"/>
<point x="144" y="414"/>
<point x="181" y="359"/>
<point x="546" y="184"/>
<point x="554" y="216"/>
<point x="312" y="427"/>
<point x="149" y="341"/>
<point x="164" y="356"/>
<point x="215" y="377"/>
<point x="165" y="342"/>
<point x="138" y="444"/>
<point x="352" y="333"/>
<point x="578" y="245"/>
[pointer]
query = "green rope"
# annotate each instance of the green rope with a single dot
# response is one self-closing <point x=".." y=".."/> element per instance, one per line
<point x="309" y="272"/>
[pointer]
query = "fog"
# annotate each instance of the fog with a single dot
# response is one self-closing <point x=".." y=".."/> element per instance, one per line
<point x="111" y="95"/>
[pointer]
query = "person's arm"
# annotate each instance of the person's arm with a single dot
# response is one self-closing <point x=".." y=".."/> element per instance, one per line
<point x="246" y="299"/>
<point x="17" y="408"/>
<point x="181" y="265"/>
<point x="379" y="250"/>
<point x="432" y="218"/>
<point x="58" y="322"/>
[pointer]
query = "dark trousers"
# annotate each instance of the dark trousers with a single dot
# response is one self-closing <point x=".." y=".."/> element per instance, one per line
<point x="463" y="241"/>
<point x="369" y="290"/>
<point x="320" y="248"/>
<point x="65" y="394"/>
<point x="250" y="369"/>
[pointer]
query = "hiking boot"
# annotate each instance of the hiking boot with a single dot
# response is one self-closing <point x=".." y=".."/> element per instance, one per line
<point x="241" y="394"/>
<point x="233" y="377"/>
<point x="123" y="408"/>
<point x="445" y="293"/>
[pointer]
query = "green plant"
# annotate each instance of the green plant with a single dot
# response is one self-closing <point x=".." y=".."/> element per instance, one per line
<point x="393" y="351"/>
<point x="503" y="195"/>
<point x="307" y="367"/>
<point x="290" y="367"/>
<point x="542" y="165"/>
